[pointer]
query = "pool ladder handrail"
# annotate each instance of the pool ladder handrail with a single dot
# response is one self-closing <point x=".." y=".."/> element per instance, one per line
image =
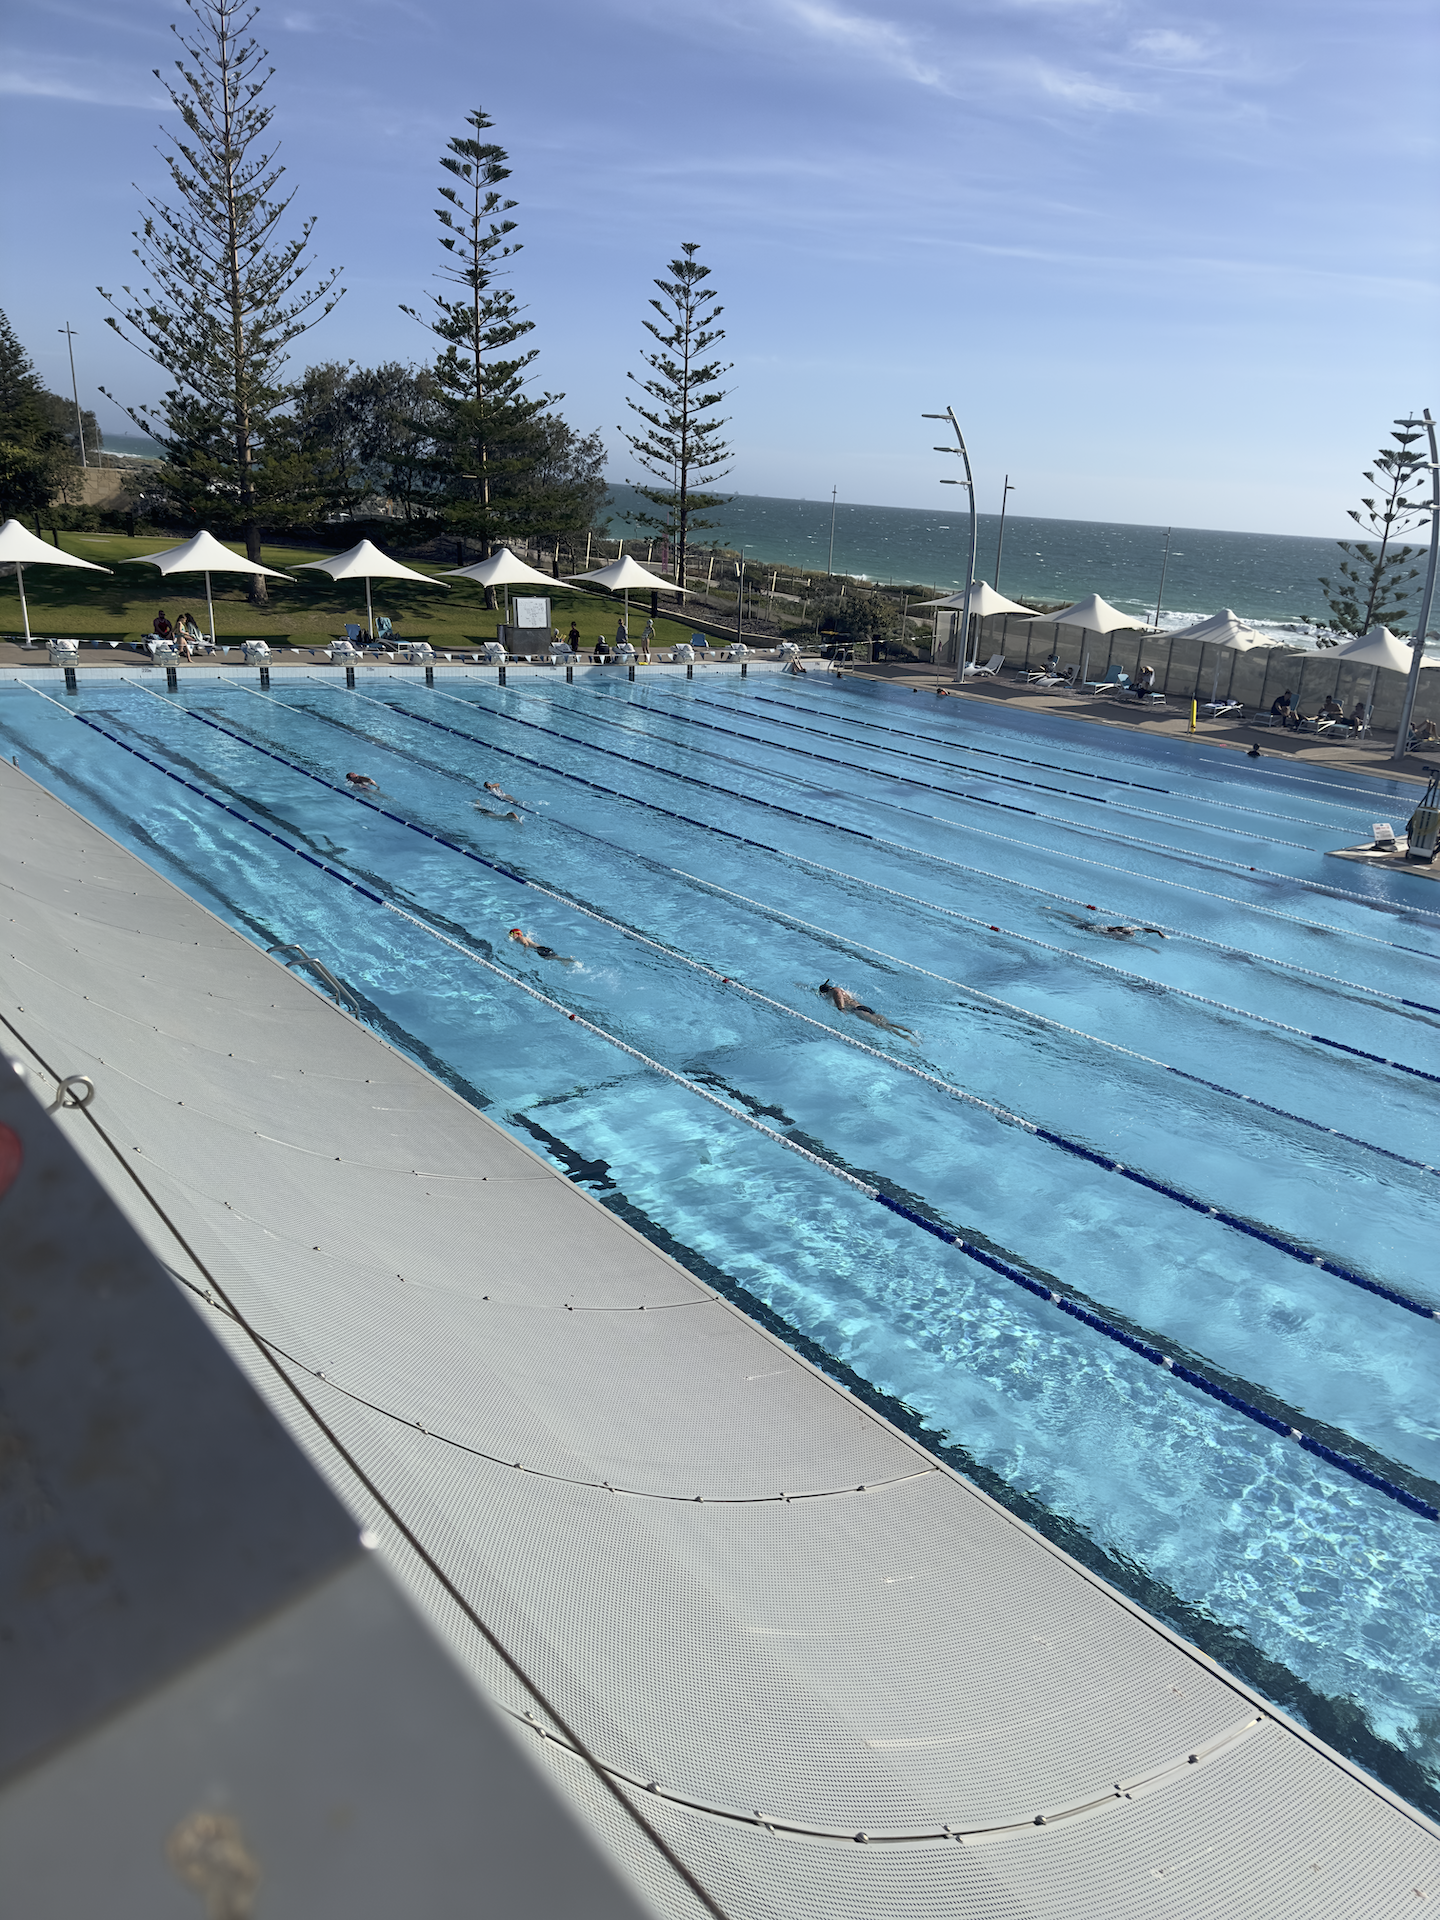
<point x="343" y="996"/>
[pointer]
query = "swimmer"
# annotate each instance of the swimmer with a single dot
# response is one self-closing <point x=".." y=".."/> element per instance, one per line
<point x="534" y="946"/>
<point x="1128" y="933"/>
<point x="493" y="786"/>
<point x="492" y="813"/>
<point x="1254" y="753"/>
<point x="846" y="1002"/>
<point x="362" y="783"/>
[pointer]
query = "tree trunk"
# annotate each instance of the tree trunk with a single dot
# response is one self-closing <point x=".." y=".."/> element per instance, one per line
<point x="490" y="601"/>
<point x="259" y="594"/>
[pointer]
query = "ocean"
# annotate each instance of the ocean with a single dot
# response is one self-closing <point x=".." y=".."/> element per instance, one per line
<point x="1269" y="578"/>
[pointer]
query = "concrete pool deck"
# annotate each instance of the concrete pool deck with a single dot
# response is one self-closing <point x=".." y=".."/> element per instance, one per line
<point x="1371" y="757"/>
<point x="839" y="1678"/>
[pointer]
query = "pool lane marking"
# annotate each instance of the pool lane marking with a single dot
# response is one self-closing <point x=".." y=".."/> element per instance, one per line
<point x="1028" y="886"/>
<point x="843" y="939"/>
<point x="938" y="740"/>
<point x="1106" y="1162"/>
<point x="1110" y="779"/>
<point x="1082" y="826"/>
<point x="1026" y="1013"/>
<point x="706" y="826"/>
<point x="978" y="1254"/>
<point x="1045" y="1020"/>
<point x="1093" y="1320"/>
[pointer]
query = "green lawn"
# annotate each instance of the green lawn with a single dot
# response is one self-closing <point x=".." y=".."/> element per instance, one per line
<point x="310" y="612"/>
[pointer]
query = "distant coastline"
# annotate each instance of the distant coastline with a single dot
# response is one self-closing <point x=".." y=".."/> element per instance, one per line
<point x="1272" y="579"/>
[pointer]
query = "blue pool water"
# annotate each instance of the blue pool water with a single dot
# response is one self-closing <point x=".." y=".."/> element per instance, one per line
<point x="706" y="854"/>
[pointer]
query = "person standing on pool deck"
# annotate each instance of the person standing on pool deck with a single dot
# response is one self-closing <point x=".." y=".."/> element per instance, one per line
<point x="545" y="953"/>
<point x="844" y="1001"/>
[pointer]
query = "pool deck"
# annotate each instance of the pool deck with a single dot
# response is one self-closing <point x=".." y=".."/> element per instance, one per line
<point x="840" y="1679"/>
<point x="1170" y="723"/>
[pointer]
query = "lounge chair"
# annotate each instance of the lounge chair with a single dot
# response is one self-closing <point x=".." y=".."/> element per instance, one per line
<point x="989" y="671"/>
<point x="1216" y="707"/>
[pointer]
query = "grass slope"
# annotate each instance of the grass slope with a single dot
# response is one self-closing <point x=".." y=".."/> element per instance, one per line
<point x="311" y="612"/>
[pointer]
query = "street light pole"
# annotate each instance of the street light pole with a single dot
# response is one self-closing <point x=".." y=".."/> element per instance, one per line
<point x="1005" y="493"/>
<point x="1164" y="567"/>
<point x="69" y="334"/>
<point x="962" y="652"/>
<point x="830" y="568"/>
<point x="1427" y="598"/>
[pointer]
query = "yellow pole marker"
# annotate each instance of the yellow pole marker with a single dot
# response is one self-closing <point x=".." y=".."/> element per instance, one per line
<point x="1192" y="716"/>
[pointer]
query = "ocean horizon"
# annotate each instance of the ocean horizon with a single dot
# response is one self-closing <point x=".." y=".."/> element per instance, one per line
<point x="1272" y="579"/>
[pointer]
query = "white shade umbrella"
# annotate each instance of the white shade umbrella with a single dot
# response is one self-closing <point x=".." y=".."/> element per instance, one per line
<point x="623" y="574"/>
<point x="1225" y="629"/>
<point x="984" y="601"/>
<point x="502" y="569"/>
<point x="22" y="549"/>
<point x="1378" y="648"/>
<point x="366" y="562"/>
<point x="1094" y="615"/>
<point x="204" y="554"/>
<point x="1229" y="632"/>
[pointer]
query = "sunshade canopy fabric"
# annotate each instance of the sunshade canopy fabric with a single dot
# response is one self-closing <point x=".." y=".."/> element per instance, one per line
<point x="625" y="576"/>
<point x="367" y="562"/>
<point x="1378" y="648"/>
<point x="503" y="569"/>
<point x="984" y="601"/>
<point x="1094" y="615"/>
<point x="202" y="554"/>
<point x="20" y="546"/>
<point x="1226" y="629"/>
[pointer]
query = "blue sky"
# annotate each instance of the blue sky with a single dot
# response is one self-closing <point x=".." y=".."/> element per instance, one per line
<point x="1170" y="264"/>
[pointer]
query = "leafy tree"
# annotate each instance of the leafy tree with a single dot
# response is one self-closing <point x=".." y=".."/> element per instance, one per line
<point x="566" y="486"/>
<point x="34" y="451"/>
<point x="227" y="300"/>
<point x="369" y="433"/>
<point x="488" y="442"/>
<point x="1372" y="587"/>
<point x="679" y="442"/>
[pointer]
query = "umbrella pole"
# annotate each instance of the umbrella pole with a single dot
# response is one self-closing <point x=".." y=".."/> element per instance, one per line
<point x="24" y="610"/>
<point x="369" y="610"/>
<point x="210" y="608"/>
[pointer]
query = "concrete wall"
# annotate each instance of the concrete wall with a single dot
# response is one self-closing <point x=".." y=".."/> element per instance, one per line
<point x="1185" y="670"/>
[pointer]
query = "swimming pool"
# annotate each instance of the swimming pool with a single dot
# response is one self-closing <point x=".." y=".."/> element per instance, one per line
<point x="1073" y="1105"/>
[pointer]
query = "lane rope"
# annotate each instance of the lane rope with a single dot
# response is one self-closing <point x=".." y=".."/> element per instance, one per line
<point x="1354" y="1468"/>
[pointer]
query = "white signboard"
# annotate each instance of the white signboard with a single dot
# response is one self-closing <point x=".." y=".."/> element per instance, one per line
<point x="530" y="612"/>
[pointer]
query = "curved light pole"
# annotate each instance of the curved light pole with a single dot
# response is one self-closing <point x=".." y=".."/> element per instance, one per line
<point x="962" y="652"/>
<point x="1422" y="625"/>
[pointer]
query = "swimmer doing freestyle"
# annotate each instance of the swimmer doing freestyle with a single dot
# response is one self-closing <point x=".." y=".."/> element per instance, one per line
<point x="846" y="1002"/>
<point x="545" y="953"/>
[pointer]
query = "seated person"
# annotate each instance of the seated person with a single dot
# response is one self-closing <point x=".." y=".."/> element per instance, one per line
<point x="161" y="627"/>
<point x="1331" y="710"/>
<point x="1357" y="718"/>
<point x="1280" y="708"/>
<point x="1423" y="734"/>
<point x="186" y="630"/>
<point x="1144" y="683"/>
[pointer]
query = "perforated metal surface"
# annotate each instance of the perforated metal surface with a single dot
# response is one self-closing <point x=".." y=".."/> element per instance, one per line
<point x="887" y="1660"/>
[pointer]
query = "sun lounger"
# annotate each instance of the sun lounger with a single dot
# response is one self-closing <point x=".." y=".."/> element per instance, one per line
<point x="989" y="671"/>
<point x="1216" y="707"/>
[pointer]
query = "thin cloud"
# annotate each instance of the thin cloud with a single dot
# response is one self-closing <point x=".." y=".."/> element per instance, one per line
<point x="860" y="33"/>
<point x="1171" y="48"/>
<point x="54" y="86"/>
<point x="1083" y="90"/>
